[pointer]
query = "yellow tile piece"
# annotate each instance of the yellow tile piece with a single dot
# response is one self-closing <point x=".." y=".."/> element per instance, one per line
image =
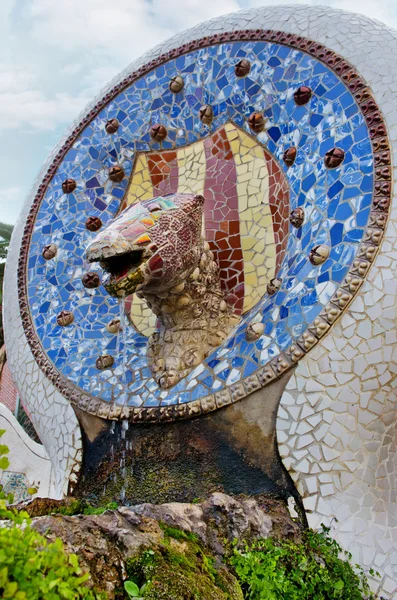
<point x="148" y="221"/>
<point x="143" y="239"/>
<point x="251" y="278"/>
<point x="140" y="187"/>
<point x="142" y="317"/>
<point x="191" y="169"/>
<point x="256" y="224"/>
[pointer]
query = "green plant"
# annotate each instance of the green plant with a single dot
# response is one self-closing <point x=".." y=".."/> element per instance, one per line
<point x="178" y="534"/>
<point x="4" y="462"/>
<point x="312" y="569"/>
<point x="133" y="590"/>
<point x="69" y="508"/>
<point x="5" y="237"/>
<point x="31" y="568"/>
<point x="180" y="568"/>
<point x="91" y="510"/>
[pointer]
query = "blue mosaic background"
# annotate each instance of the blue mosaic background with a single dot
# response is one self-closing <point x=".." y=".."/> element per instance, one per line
<point x="336" y="202"/>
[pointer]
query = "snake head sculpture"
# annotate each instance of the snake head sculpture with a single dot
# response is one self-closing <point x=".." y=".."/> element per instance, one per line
<point x="151" y="245"/>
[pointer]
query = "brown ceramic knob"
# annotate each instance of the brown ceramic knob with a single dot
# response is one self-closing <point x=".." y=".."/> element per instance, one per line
<point x="290" y="156"/>
<point x="297" y="217"/>
<point x="116" y="173"/>
<point x="93" y="223"/>
<point x="302" y="95"/>
<point x="334" y="158"/>
<point x="68" y="186"/>
<point x="256" y="121"/>
<point x="206" y="114"/>
<point x="104" y="362"/>
<point x="49" y="251"/>
<point x="112" y="126"/>
<point x="158" y="132"/>
<point x="65" y="318"/>
<point x="176" y="84"/>
<point x="91" y="280"/>
<point x="114" y="326"/>
<point x="273" y="286"/>
<point x="381" y="203"/>
<point x="319" y="254"/>
<point x="254" y="331"/>
<point x="242" y="68"/>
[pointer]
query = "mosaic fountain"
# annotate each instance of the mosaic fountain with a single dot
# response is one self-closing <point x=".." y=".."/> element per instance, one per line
<point x="215" y="234"/>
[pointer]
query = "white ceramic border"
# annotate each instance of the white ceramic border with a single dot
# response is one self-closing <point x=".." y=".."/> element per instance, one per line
<point x="26" y="456"/>
<point x="336" y="420"/>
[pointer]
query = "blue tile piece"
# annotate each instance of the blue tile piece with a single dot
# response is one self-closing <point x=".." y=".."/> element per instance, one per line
<point x="336" y="203"/>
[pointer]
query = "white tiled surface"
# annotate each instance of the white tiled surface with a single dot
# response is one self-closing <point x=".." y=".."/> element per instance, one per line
<point x="336" y="420"/>
<point x="26" y="457"/>
<point x="336" y="424"/>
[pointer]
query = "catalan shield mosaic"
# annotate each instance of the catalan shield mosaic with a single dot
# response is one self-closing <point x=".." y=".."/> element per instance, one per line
<point x="285" y="142"/>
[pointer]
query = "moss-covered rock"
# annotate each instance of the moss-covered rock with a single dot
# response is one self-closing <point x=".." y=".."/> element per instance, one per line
<point x="180" y="568"/>
<point x="179" y="548"/>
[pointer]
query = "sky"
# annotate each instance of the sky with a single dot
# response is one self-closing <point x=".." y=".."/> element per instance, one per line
<point x="56" y="55"/>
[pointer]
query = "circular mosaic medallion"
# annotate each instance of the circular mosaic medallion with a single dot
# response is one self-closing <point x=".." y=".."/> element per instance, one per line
<point x="286" y="144"/>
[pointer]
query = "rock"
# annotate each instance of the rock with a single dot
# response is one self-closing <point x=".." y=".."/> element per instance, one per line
<point x="37" y="507"/>
<point x="114" y="544"/>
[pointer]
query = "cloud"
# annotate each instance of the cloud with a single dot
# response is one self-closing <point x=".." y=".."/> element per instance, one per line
<point x="96" y="38"/>
<point x="96" y="78"/>
<point x="126" y="28"/>
<point x="182" y="14"/>
<point x="11" y="199"/>
<point x="22" y="105"/>
<point x="55" y="56"/>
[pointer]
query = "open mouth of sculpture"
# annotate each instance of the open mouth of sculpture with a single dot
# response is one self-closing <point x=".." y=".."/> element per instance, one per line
<point x="119" y="266"/>
<point x="123" y="272"/>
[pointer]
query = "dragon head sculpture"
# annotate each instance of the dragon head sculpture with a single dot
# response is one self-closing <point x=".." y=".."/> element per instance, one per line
<point x="155" y="249"/>
<point x="150" y="245"/>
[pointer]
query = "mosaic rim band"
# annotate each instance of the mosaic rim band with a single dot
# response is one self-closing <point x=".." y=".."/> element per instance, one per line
<point x="330" y="313"/>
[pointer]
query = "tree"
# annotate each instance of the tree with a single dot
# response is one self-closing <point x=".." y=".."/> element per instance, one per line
<point x="5" y="237"/>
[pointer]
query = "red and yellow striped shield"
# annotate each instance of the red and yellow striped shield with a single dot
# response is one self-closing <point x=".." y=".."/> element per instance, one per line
<point x="245" y="215"/>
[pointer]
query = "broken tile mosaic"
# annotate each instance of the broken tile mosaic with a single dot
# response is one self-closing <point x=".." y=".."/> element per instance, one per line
<point x="249" y="191"/>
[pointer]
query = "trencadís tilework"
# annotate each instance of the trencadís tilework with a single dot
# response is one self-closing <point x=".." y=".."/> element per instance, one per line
<point x="268" y="132"/>
<point x="336" y="420"/>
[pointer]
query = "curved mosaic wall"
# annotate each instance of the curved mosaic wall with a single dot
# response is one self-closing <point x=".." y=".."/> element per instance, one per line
<point x="253" y="106"/>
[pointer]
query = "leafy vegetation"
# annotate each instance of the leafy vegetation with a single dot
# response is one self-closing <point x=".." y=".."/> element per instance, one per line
<point x="68" y="507"/>
<point x="5" y="237"/>
<point x="133" y="590"/>
<point x="181" y="569"/>
<point x="312" y="569"/>
<point x="178" y="534"/>
<point x="81" y="507"/>
<point x="31" y="568"/>
<point x="99" y="510"/>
